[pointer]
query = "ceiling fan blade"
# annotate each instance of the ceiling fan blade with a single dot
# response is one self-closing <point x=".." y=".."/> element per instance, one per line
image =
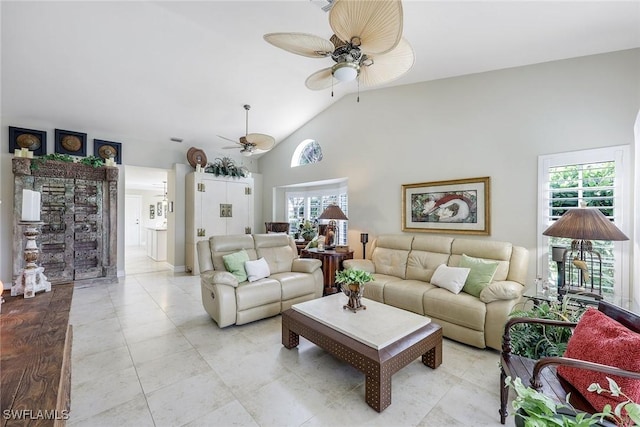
<point x="321" y="80"/>
<point x="230" y="148"/>
<point x="229" y="139"/>
<point x="389" y="66"/>
<point x="261" y="141"/>
<point x="378" y="24"/>
<point x="301" y="44"/>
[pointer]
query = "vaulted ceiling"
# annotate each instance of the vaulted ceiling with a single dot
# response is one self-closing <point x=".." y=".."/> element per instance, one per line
<point x="155" y="70"/>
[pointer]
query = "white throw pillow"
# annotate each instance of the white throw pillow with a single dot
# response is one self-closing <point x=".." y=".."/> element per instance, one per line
<point x="258" y="269"/>
<point x="450" y="278"/>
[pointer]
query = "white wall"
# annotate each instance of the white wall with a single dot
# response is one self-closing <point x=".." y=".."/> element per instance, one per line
<point x="490" y="124"/>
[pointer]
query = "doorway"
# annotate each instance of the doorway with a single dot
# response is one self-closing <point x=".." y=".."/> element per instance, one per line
<point x="145" y="220"/>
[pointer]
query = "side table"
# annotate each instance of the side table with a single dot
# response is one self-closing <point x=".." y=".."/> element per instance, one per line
<point x="331" y="262"/>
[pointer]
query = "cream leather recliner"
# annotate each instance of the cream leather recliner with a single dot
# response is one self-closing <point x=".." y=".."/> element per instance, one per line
<point x="402" y="267"/>
<point x="292" y="279"/>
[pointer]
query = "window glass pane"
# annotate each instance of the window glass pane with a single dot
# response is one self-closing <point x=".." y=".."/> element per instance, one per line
<point x="308" y="151"/>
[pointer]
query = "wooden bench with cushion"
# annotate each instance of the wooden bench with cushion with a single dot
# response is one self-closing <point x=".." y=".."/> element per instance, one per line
<point x="605" y="342"/>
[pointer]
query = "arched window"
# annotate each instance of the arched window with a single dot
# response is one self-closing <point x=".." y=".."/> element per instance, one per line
<point x="309" y="151"/>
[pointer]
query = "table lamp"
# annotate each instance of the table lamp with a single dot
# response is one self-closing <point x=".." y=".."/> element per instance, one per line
<point x="583" y="225"/>
<point x="333" y="213"/>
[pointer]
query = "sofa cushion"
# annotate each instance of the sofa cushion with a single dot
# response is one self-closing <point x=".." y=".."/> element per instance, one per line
<point x="295" y="284"/>
<point x="459" y="309"/>
<point x="406" y="294"/>
<point x="450" y="278"/>
<point x="256" y="270"/>
<point x="392" y="262"/>
<point x="277" y="249"/>
<point x="227" y="244"/>
<point x="375" y="289"/>
<point x="258" y="293"/>
<point x="422" y="264"/>
<point x="485" y="249"/>
<point x="234" y="263"/>
<point x="390" y="254"/>
<point x="480" y="276"/>
<point x="618" y="346"/>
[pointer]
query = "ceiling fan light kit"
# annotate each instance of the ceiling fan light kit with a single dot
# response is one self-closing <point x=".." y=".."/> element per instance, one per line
<point x="251" y="143"/>
<point x="345" y="71"/>
<point x="366" y="44"/>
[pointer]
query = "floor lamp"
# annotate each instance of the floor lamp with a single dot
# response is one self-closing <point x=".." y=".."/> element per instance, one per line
<point x="583" y="265"/>
<point x="333" y="213"/>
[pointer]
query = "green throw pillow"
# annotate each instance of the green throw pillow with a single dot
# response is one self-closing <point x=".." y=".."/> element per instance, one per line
<point x="480" y="276"/>
<point x="234" y="263"/>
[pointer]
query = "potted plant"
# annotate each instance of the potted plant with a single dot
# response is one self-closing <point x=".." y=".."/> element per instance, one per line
<point x="534" y="409"/>
<point x="534" y="340"/>
<point x="352" y="282"/>
<point x="307" y="230"/>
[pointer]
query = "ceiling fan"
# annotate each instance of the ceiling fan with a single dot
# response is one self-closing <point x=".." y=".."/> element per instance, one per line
<point x="251" y="143"/>
<point x="367" y="44"/>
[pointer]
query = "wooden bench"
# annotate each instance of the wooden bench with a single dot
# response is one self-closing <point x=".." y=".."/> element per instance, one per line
<point x="533" y="372"/>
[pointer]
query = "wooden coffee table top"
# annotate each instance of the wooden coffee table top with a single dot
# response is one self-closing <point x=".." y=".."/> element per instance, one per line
<point x="378" y="326"/>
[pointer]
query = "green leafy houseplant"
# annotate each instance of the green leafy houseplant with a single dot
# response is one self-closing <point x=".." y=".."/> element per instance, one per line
<point x="307" y="230"/>
<point x="534" y="340"/>
<point x="353" y="276"/>
<point x="226" y="167"/>
<point x="534" y="409"/>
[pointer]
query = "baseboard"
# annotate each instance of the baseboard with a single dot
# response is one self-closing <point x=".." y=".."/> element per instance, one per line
<point x="177" y="268"/>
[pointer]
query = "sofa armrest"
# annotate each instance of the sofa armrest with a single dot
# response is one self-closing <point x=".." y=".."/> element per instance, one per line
<point x="501" y="290"/>
<point x="359" y="264"/>
<point x="213" y="277"/>
<point x="305" y="265"/>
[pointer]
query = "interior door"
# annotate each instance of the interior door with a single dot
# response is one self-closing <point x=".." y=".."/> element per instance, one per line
<point x="132" y="218"/>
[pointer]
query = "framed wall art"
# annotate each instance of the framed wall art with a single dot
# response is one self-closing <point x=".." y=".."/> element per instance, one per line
<point x="71" y="143"/>
<point x="31" y="139"/>
<point x="459" y="206"/>
<point x="108" y="149"/>
<point x="152" y="211"/>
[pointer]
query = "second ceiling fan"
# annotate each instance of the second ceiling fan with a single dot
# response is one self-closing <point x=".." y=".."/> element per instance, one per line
<point x="251" y="143"/>
<point x="367" y="44"/>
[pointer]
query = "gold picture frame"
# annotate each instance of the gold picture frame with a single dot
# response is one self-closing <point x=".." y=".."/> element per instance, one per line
<point x="460" y="206"/>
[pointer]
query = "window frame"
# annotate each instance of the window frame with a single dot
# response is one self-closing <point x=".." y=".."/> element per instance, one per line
<point x="338" y="191"/>
<point x="620" y="155"/>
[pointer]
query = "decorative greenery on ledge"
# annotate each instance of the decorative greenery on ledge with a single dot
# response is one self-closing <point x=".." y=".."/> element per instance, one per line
<point x="226" y="167"/>
<point x="92" y="161"/>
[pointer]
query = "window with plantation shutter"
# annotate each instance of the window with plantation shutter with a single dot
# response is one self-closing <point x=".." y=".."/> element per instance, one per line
<point x="310" y="203"/>
<point x="595" y="178"/>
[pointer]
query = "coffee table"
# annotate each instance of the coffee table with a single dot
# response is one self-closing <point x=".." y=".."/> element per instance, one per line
<point x="378" y="341"/>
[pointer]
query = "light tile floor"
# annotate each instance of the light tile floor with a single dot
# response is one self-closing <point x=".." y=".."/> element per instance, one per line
<point x="145" y="353"/>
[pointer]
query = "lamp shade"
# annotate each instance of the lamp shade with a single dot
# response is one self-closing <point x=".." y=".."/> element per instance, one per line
<point x="333" y="212"/>
<point x="585" y="224"/>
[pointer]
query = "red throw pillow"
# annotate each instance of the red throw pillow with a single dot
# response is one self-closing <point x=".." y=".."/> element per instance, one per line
<point x="598" y="338"/>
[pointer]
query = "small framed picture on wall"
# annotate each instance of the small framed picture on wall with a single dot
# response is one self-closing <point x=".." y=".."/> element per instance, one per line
<point x="152" y="212"/>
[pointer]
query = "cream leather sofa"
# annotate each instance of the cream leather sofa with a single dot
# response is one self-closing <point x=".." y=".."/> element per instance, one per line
<point x="292" y="279"/>
<point x="403" y="265"/>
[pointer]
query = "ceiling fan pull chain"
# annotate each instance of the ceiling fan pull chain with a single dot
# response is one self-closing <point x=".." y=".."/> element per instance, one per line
<point x="332" y="86"/>
<point x="358" y="99"/>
